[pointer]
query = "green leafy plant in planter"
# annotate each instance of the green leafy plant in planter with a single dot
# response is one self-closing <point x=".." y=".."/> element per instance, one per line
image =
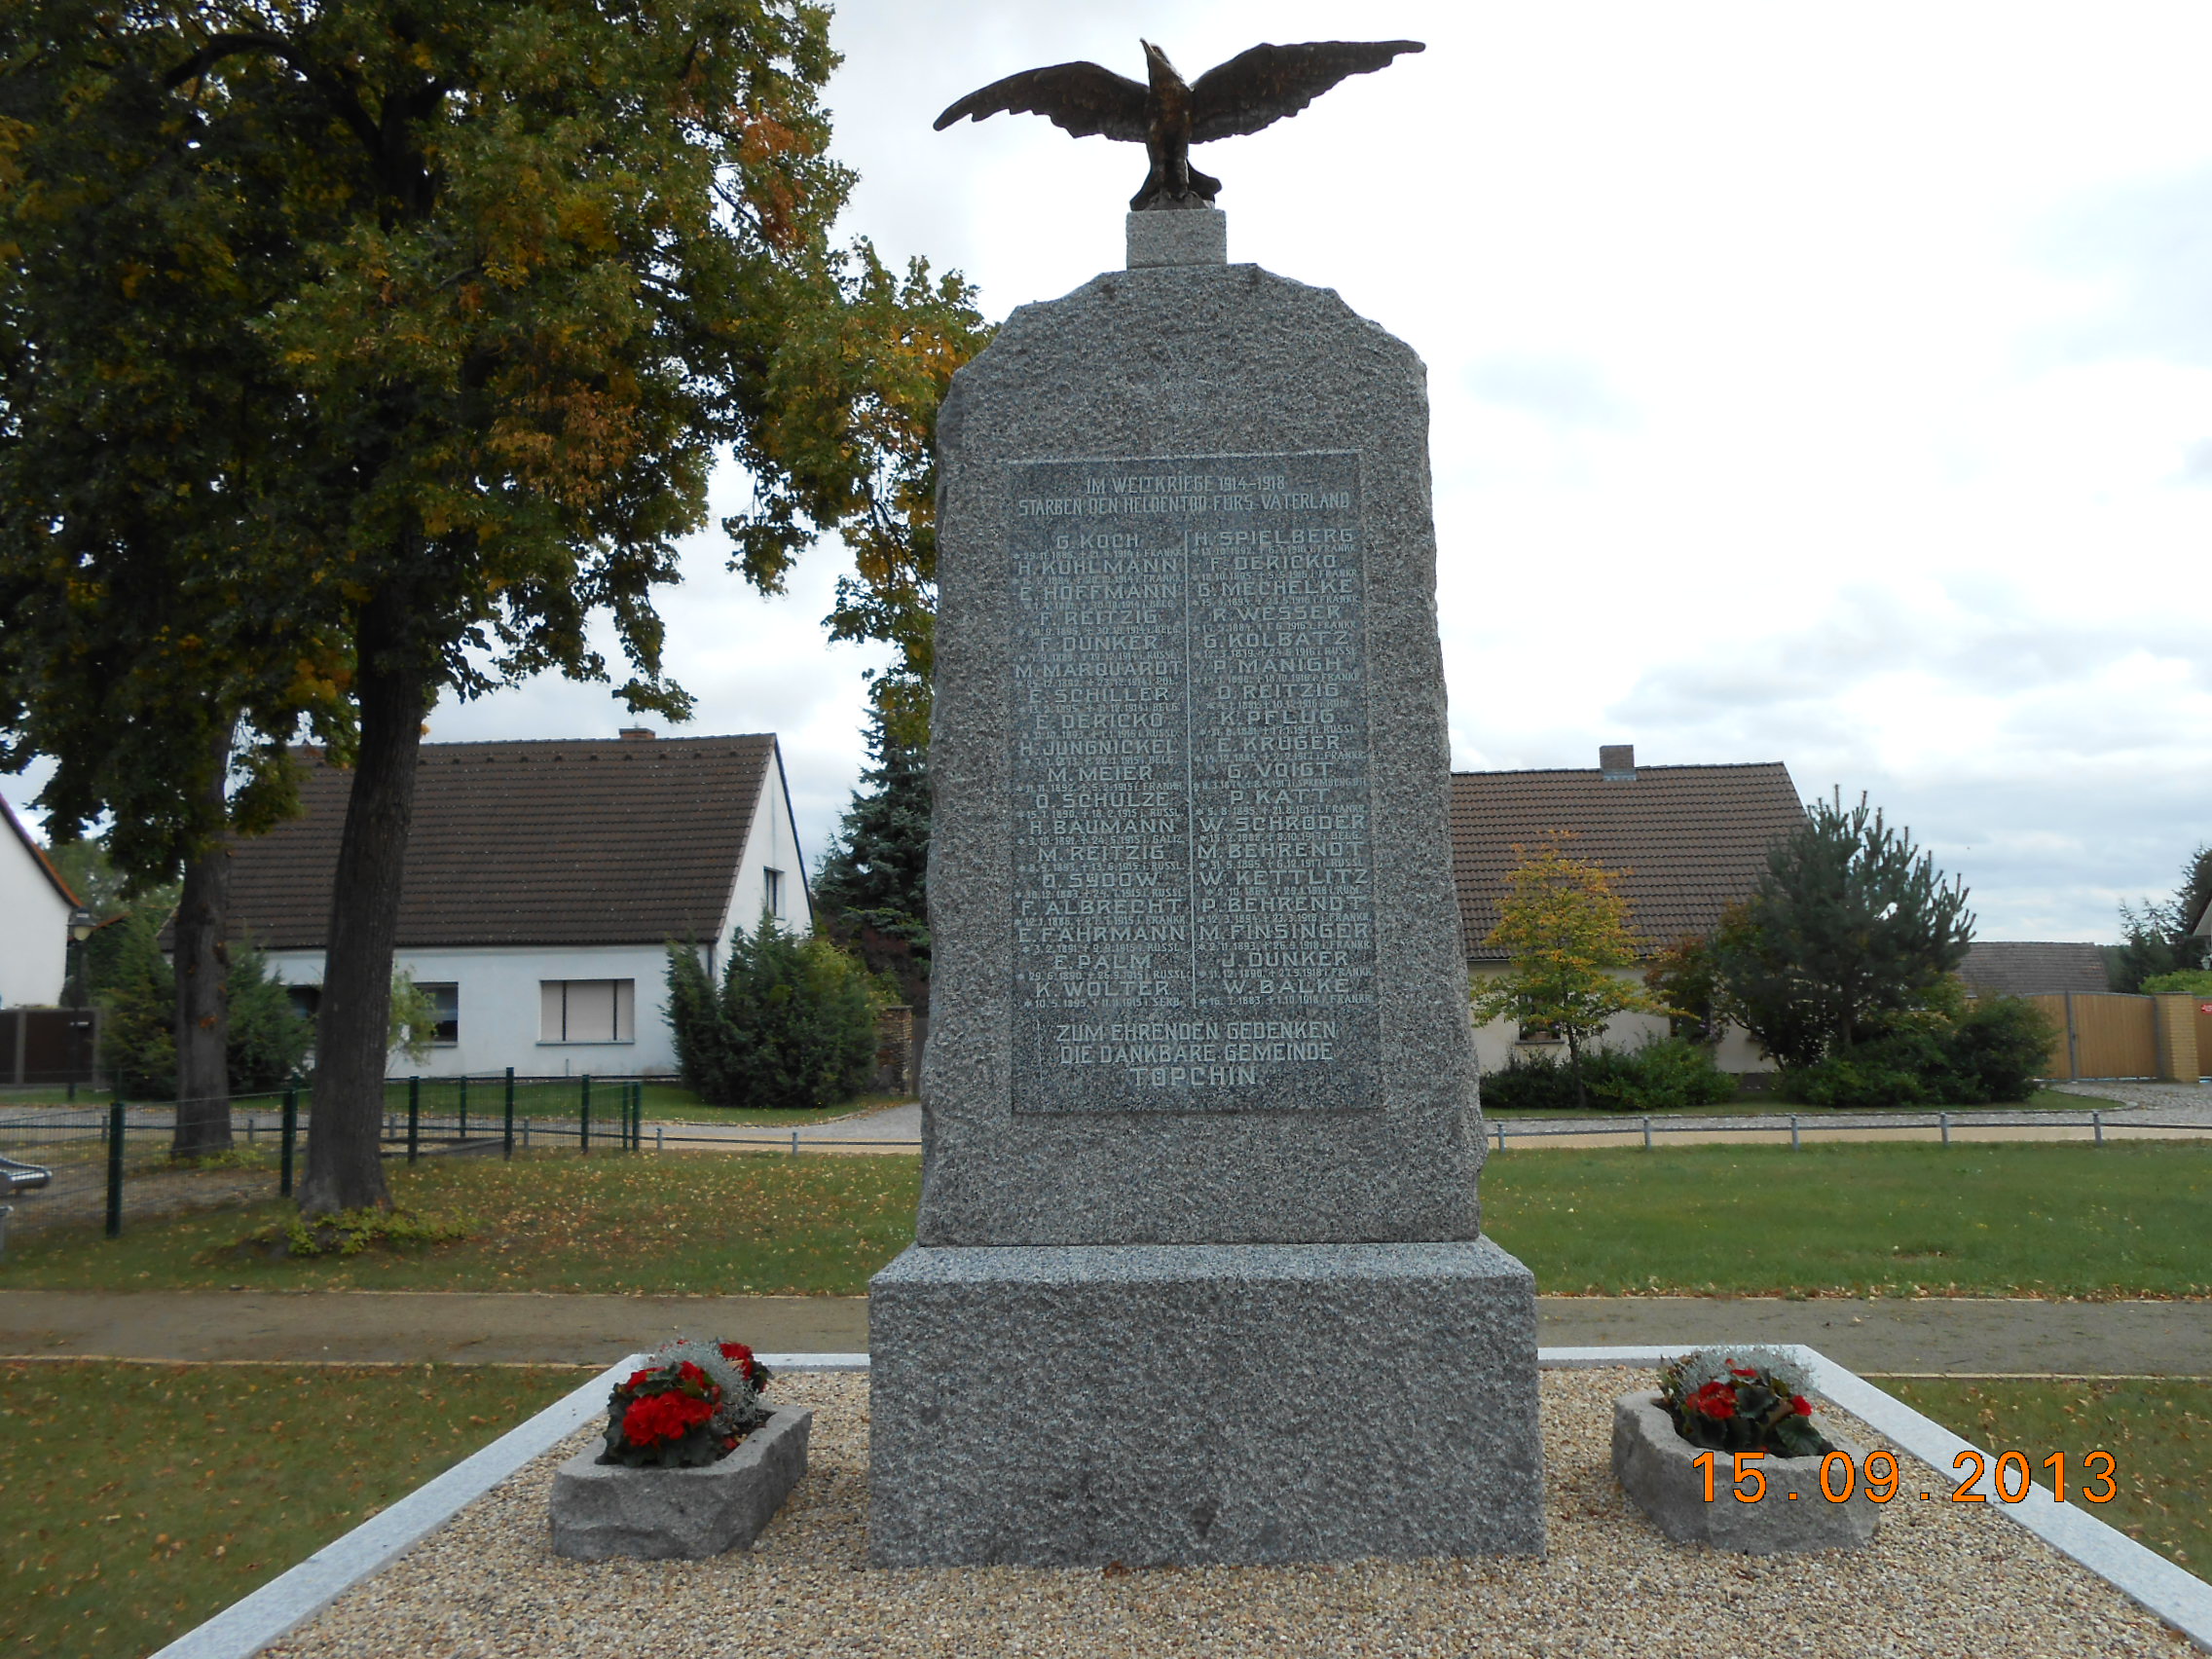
<point x="689" y="1406"/>
<point x="1740" y="1400"/>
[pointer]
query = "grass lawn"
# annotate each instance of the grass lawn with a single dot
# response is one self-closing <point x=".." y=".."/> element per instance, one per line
<point x="1886" y="1218"/>
<point x="1773" y="1105"/>
<point x="1891" y="1218"/>
<point x="721" y="1222"/>
<point x="2159" y="1434"/>
<point x="229" y="1475"/>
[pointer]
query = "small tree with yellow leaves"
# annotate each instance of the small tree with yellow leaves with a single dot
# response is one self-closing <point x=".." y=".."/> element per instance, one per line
<point x="1564" y="930"/>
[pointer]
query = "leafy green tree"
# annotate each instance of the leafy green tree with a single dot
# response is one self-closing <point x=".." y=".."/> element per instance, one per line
<point x="1565" y="934"/>
<point x="151" y="620"/>
<point x="2157" y="937"/>
<point x="792" y="1023"/>
<point x="1686" y="979"/>
<point x="871" y="888"/>
<point x="91" y="875"/>
<point x="412" y="1027"/>
<point x="1850" y="928"/>
<point x="529" y="271"/>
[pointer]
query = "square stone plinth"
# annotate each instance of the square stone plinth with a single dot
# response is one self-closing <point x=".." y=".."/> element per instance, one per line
<point x="1178" y="236"/>
<point x="1145" y="1404"/>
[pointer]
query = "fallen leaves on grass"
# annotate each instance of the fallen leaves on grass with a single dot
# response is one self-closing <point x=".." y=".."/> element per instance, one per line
<point x="230" y="1475"/>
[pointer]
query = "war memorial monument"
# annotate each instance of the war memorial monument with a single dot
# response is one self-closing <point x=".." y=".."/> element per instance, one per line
<point x="1199" y="1273"/>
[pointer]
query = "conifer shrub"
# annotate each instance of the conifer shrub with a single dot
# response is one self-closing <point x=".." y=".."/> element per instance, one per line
<point x="792" y="1024"/>
<point x="269" y="1043"/>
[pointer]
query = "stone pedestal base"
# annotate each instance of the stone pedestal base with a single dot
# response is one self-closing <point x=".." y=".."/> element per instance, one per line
<point x="1178" y="236"/>
<point x="1077" y="1405"/>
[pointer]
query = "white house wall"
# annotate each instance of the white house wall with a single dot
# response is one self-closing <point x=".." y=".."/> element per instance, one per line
<point x="1496" y="1043"/>
<point x="499" y="1008"/>
<point x="771" y="844"/>
<point x="34" y="928"/>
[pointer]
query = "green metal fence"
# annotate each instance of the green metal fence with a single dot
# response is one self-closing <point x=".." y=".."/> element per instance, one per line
<point x="65" y="1164"/>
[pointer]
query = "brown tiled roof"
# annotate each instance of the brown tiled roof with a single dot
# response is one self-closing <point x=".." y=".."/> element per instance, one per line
<point x="570" y="843"/>
<point x="1693" y="839"/>
<point x="2029" y="968"/>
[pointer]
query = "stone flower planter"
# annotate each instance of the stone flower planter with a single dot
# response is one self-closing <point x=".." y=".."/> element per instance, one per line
<point x="603" y="1510"/>
<point x="1656" y="1468"/>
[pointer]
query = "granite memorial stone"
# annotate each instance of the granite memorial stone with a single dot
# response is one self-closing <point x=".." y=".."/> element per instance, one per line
<point x="1198" y="1272"/>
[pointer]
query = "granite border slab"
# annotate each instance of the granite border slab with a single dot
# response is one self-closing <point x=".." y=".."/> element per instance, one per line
<point x="242" y="1629"/>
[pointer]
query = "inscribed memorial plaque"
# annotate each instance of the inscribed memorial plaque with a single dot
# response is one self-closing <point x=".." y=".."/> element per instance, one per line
<point x="1194" y="868"/>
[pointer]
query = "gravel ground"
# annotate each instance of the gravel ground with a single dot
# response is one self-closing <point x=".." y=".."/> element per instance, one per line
<point x="2169" y="1102"/>
<point x="1940" y="1579"/>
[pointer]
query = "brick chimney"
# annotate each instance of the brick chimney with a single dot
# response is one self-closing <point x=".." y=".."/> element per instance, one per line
<point x="1617" y="761"/>
<point x="638" y="734"/>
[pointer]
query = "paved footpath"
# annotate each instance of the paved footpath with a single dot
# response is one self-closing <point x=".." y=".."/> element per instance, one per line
<point x="1950" y="1335"/>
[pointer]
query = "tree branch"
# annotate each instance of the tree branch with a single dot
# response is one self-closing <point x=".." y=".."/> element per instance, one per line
<point x="330" y="88"/>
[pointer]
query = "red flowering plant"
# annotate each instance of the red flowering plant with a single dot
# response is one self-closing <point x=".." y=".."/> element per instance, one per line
<point x="1740" y="1400"/>
<point x="688" y="1405"/>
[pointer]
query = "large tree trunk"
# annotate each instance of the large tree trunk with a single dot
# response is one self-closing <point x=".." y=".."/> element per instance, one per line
<point x="353" y="1023"/>
<point x="203" y="975"/>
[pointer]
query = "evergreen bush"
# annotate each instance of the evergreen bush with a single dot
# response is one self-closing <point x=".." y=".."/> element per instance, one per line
<point x="1661" y="1075"/>
<point x="1944" y="1057"/>
<point x="792" y="1023"/>
<point x="269" y="1045"/>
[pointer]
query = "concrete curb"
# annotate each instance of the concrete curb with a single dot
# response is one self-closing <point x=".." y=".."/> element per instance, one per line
<point x="288" y="1601"/>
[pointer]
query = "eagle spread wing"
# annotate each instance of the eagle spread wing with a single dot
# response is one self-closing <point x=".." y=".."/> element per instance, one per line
<point x="1082" y="99"/>
<point x="1258" y="88"/>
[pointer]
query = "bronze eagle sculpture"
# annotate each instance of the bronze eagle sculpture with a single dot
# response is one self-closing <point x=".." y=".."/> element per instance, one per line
<point x="1253" y="89"/>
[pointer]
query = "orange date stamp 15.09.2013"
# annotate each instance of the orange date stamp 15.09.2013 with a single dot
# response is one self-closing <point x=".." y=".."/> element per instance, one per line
<point x="2010" y="1477"/>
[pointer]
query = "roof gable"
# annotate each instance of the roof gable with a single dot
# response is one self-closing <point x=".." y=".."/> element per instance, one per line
<point x="1691" y="839"/>
<point x="38" y="857"/>
<point x="611" y="841"/>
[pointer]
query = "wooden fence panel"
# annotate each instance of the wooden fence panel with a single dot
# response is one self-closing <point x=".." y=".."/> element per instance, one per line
<point x="2115" y="1036"/>
<point x="2053" y="1009"/>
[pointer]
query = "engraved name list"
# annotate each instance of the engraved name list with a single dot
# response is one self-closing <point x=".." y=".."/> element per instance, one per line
<point x="1193" y="918"/>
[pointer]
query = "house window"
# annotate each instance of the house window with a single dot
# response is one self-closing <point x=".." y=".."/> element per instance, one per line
<point x="445" y="1009"/>
<point x="1536" y="1031"/>
<point x="306" y="1000"/>
<point x="587" y="1010"/>
<point x="773" y="880"/>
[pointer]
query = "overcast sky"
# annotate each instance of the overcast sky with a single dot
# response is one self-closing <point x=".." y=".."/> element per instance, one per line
<point x="1830" y="385"/>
